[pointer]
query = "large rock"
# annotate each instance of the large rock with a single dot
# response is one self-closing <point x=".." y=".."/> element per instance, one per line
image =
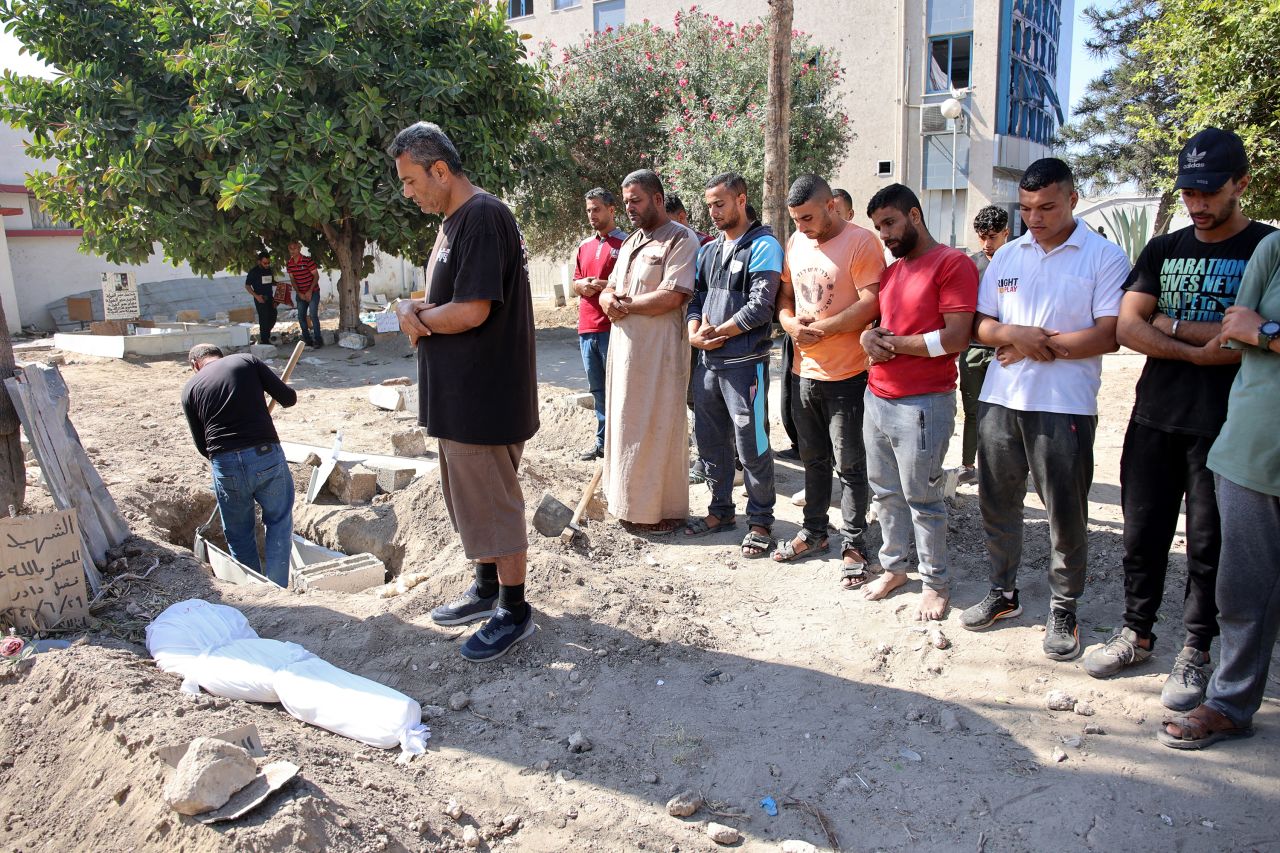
<point x="207" y="776"/>
<point x="353" y="483"/>
<point x="409" y="442"/>
<point x="263" y="351"/>
<point x="721" y="834"/>
<point x="684" y="804"/>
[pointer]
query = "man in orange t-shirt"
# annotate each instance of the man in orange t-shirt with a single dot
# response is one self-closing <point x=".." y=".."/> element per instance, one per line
<point x="827" y="298"/>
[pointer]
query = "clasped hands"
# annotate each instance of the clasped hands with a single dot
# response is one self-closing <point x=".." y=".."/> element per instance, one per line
<point x="408" y="312"/>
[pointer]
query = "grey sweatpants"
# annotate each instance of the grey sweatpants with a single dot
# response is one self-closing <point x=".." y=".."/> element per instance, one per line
<point x="906" y="440"/>
<point x="1248" y="595"/>
<point x="1057" y="450"/>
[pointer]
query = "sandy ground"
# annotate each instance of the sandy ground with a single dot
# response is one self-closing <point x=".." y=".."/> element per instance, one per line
<point x="686" y="666"/>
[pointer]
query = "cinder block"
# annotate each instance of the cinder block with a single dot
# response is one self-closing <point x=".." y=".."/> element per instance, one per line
<point x="263" y="351"/>
<point x="394" y="478"/>
<point x="347" y="574"/>
<point x="388" y="397"/>
<point x="409" y="442"/>
<point x="585" y="401"/>
<point x="353" y="483"/>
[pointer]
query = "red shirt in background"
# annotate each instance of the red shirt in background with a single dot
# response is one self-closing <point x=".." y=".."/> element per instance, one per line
<point x="595" y="259"/>
<point x="303" y="272"/>
<point x="914" y="294"/>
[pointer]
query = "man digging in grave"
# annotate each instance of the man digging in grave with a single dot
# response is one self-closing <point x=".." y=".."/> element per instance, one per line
<point x="477" y="381"/>
<point x="232" y="428"/>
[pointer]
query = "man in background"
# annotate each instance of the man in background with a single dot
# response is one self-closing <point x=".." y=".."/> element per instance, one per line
<point x="992" y="227"/>
<point x="260" y="284"/>
<point x="592" y="265"/>
<point x="303" y="272"/>
<point x="844" y="204"/>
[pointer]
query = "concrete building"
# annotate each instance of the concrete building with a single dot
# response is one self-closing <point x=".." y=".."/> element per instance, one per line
<point x="1007" y="60"/>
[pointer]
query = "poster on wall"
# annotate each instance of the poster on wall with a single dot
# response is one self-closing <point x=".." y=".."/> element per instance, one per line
<point x="119" y="296"/>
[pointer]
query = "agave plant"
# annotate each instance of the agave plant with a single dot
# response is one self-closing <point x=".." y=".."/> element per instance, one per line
<point x="1131" y="228"/>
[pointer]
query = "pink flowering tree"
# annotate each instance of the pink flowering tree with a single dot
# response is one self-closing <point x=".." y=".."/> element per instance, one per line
<point x="687" y="101"/>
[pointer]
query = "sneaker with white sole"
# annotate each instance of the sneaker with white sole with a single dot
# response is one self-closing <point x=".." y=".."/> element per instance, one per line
<point x="1185" y="686"/>
<point x="470" y="607"/>
<point x="499" y="635"/>
<point x="1118" y="652"/>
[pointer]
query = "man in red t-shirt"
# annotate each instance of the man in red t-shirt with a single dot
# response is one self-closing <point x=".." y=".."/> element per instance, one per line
<point x="304" y="273"/>
<point x="927" y="299"/>
<point x="591" y="267"/>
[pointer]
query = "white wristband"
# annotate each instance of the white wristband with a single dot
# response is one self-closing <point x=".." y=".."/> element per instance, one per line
<point x="933" y="343"/>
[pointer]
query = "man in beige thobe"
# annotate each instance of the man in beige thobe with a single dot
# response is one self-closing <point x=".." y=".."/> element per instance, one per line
<point x="646" y="443"/>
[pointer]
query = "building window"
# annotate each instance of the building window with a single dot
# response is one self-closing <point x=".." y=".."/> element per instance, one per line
<point x="519" y="8"/>
<point x="949" y="59"/>
<point x="1030" y="106"/>
<point x="566" y="4"/>
<point x="42" y="221"/>
<point x="610" y="15"/>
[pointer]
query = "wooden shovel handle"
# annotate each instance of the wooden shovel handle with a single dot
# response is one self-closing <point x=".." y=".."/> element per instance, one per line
<point x="587" y="494"/>
<point x="288" y="371"/>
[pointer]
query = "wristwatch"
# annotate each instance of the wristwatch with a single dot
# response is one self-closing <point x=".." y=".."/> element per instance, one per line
<point x="1268" y="332"/>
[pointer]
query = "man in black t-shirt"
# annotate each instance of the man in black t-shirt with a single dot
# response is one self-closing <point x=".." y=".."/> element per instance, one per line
<point x="1172" y="312"/>
<point x="232" y="428"/>
<point x="477" y="381"/>
<point x="260" y="284"/>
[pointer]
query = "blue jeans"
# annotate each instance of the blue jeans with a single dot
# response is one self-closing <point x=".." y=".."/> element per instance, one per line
<point x="309" y="306"/>
<point x="259" y="475"/>
<point x="595" y="349"/>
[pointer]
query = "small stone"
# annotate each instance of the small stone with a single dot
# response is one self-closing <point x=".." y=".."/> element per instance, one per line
<point x="1094" y="729"/>
<point x="208" y="774"/>
<point x="470" y="837"/>
<point x="937" y="639"/>
<point x="1059" y="755"/>
<point x="511" y="823"/>
<point x="650" y="778"/>
<point x="459" y="701"/>
<point x="579" y="743"/>
<point x="397" y="380"/>
<point x="884" y="649"/>
<point x="575" y="676"/>
<point x="950" y="722"/>
<point x="1084" y="709"/>
<point x="684" y="804"/>
<point x="1166" y="820"/>
<point x="543" y="765"/>
<point x="793" y="845"/>
<point x="432" y="711"/>
<point x="312" y="460"/>
<point x="453" y="809"/>
<point x="1057" y="700"/>
<point x="721" y="834"/>
<point x="1073" y="741"/>
<point x="344" y="822"/>
<point x="563" y="776"/>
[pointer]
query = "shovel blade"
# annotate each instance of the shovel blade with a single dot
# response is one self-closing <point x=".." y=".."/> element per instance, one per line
<point x="551" y="517"/>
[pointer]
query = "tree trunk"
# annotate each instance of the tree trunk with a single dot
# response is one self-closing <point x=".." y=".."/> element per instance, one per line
<point x="1164" y="213"/>
<point x="348" y="248"/>
<point x="777" y="134"/>
<point x="13" y="470"/>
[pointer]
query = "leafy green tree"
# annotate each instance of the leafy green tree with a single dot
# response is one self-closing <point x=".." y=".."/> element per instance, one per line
<point x="688" y="102"/>
<point x="1223" y="59"/>
<point x="1106" y="143"/>
<point x="215" y="127"/>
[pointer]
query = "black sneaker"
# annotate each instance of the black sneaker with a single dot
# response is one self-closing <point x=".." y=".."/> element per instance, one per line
<point x="995" y="606"/>
<point x="469" y="608"/>
<point x="592" y="453"/>
<point x="1061" y="635"/>
<point x="791" y="454"/>
<point x="497" y="636"/>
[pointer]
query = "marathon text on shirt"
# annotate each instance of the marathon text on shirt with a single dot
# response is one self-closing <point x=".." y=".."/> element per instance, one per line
<point x="1199" y="289"/>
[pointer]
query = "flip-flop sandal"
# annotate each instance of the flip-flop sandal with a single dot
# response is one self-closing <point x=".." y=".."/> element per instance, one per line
<point x="758" y="543"/>
<point x="786" y="552"/>
<point x="699" y="527"/>
<point x="858" y="574"/>
<point x="1195" y="732"/>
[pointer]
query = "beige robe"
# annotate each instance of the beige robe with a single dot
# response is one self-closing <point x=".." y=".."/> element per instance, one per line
<point x="646" y="430"/>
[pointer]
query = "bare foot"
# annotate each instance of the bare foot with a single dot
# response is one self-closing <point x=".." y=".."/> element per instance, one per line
<point x="933" y="605"/>
<point x="883" y="585"/>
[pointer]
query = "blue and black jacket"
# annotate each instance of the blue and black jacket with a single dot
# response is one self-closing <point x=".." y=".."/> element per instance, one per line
<point x="743" y="287"/>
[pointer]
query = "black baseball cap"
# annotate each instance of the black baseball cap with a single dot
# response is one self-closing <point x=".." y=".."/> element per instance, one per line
<point x="1210" y="159"/>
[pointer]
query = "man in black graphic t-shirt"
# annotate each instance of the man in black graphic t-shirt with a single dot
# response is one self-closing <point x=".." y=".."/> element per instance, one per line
<point x="1172" y="312"/>
<point x="477" y="381"/>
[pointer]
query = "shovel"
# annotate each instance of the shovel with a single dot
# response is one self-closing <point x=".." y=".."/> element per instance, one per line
<point x="553" y="518"/>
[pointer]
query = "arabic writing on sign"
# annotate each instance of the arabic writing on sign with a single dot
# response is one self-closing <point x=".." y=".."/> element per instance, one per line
<point x="42" y="571"/>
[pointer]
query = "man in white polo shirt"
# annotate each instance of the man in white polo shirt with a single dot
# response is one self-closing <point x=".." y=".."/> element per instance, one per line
<point x="1048" y="302"/>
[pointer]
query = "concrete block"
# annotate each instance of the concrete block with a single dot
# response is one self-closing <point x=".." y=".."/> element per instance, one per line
<point x="189" y="316"/>
<point x="353" y="484"/>
<point x="263" y="351"/>
<point x="388" y="397"/>
<point x="346" y="574"/>
<point x="409" y="442"/>
<point x="238" y="315"/>
<point x="393" y="478"/>
<point x="585" y="401"/>
<point x="109" y="327"/>
<point x="351" y="340"/>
